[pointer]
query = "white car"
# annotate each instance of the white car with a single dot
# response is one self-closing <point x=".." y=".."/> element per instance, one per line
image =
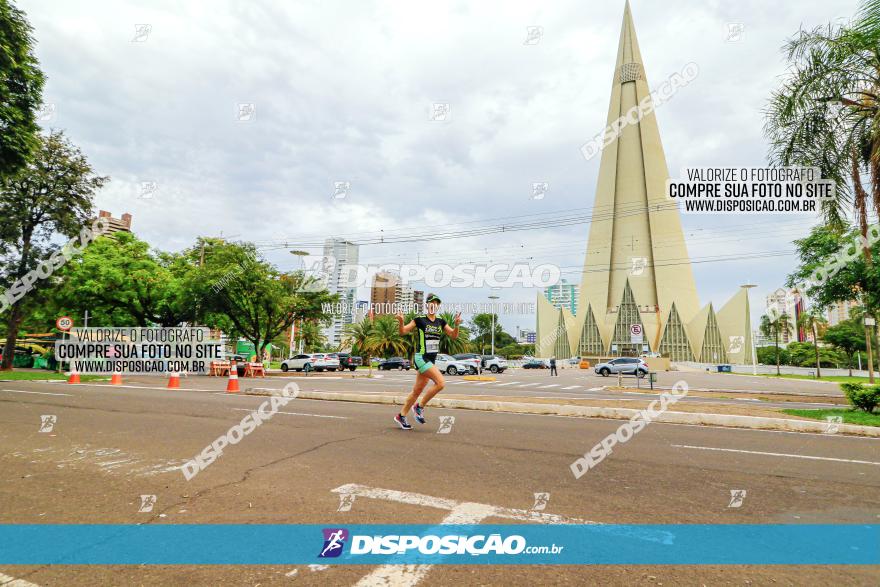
<point x="453" y="366"/>
<point x="311" y="362"/>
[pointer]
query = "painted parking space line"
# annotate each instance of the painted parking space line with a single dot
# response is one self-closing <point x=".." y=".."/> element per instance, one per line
<point x="778" y="454"/>
<point x="36" y="392"/>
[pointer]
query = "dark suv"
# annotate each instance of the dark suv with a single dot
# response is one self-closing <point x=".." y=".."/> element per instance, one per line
<point x="394" y="363"/>
<point x="350" y="362"/>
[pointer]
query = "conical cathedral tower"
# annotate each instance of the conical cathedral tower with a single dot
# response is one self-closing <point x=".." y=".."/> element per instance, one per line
<point x="636" y="269"/>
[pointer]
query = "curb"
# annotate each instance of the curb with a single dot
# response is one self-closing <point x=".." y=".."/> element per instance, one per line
<point x="724" y="420"/>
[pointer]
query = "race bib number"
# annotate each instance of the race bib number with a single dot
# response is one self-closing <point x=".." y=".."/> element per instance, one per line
<point x="432" y="346"/>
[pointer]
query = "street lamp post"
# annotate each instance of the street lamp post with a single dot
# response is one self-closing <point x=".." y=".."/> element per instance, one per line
<point x="747" y="287"/>
<point x="493" y="298"/>
<point x="301" y="255"/>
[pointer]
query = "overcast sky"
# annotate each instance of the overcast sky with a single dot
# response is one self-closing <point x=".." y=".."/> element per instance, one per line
<point x="342" y="92"/>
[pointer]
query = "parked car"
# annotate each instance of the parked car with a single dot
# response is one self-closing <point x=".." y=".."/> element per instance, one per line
<point x="627" y="365"/>
<point x="574" y="361"/>
<point x="348" y="361"/>
<point x="398" y="363"/>
<point x="534" y="364"/>
<point x="453" y="366"/>
<point x="472" y="358"/>
<point x="311" y="362"/>
<point x="494" y="363"/>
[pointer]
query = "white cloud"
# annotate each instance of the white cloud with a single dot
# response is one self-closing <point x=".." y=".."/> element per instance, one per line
<point x="342" y="93"/>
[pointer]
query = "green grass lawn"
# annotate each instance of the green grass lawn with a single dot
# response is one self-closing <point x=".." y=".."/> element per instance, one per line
<point x="830" y="378"/>
<point x="849" y="416"/>
<point x="41" y="375"/>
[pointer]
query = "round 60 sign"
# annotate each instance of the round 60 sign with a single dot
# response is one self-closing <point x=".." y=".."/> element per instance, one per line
<point x="64" y="323"/>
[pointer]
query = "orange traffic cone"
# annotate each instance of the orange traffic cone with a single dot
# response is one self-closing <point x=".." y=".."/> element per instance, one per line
<point x="74" y="376"/>
<point x="174" y="380"/>
<point x="232" y="386"/>
<point x="116" y="379"/>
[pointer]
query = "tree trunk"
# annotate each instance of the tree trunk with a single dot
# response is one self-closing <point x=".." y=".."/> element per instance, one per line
<point x="15" y="314"/>
<point x="776" y="340"/>
<point x="12" y="325"/>
<point x="816" y="346"/>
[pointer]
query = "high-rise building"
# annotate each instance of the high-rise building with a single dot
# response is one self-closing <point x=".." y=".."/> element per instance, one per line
<point x="563" y="295"/>
<point x="840" y="312"/>
<point x="389" y="294"/>
<point x="637" y="290"/>
<point x="788" y="302"/>
<point x="116" y="224"/>
<point x="383" y="292"/>
<point x="340" y="257"/>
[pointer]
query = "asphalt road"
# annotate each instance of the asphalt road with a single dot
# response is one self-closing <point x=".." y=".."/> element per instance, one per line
<point x="570" y="384"/>
<point x="109" y="446"/>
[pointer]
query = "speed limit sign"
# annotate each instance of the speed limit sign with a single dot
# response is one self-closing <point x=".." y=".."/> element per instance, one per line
<point x="64" y="323"/>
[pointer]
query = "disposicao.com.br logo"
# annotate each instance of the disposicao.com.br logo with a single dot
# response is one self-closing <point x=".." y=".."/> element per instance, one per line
<point x="450" y="544"/>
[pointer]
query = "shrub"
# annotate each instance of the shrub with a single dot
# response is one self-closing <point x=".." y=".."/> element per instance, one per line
<point x="862" y="397"/>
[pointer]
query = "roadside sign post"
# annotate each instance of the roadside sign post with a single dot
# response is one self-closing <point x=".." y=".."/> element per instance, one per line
<point x="869" y="337"/>
<point x="64" y="324"/>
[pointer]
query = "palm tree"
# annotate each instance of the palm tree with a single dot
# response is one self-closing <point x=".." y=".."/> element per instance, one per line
<point x="815" y="323"/>
<point x="385" y="338"/>
<point x="827" y="112"/>
<point x="357" y="336"/>
<point x="771" y="325"/>
<point x="453" y="346"/>
<point x="312" y="336"/>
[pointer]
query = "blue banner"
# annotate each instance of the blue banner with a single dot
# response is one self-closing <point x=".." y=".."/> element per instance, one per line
<point x="526" y="544"/>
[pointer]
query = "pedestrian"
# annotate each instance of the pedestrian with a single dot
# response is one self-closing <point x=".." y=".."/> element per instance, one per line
<point x="430" y="327"/>
<point x="553" y="367"/>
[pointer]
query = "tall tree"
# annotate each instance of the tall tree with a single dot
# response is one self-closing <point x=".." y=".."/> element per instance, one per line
<point x="21" y="88"/>
<point x="827" y="115"/>
<point x="847" y="336"/>
<point x="773" y="324"/>
<point x="234" y="285"/>
<point x="359" y="336"/>
<point x="385" y="339"/>
<point x="122" y="282"/>
<point x="451" y="345"/>
<point x="51" y="196"/>
<point x="816" y="324"/>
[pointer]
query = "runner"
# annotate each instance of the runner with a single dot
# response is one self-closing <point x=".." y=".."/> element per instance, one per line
<point x="430" y="327"/>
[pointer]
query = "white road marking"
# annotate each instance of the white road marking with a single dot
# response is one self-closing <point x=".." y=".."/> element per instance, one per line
<point x="596" y="389"/>
<point x="486" y="383"/>
<point x="551" y="385"/>
<point x="508" y="383"/>
<point x="571" y="387"/>
<point x="36" y="392"/>
<point x="8" y="581"/>
<point x="459" y="513"/>
<point x="298" y="414"/>
<point x="778" y="454"/>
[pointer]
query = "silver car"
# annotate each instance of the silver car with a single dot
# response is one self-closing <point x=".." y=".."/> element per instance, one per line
<point x="625" y="365"/>
<point x="453" y="366"/>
